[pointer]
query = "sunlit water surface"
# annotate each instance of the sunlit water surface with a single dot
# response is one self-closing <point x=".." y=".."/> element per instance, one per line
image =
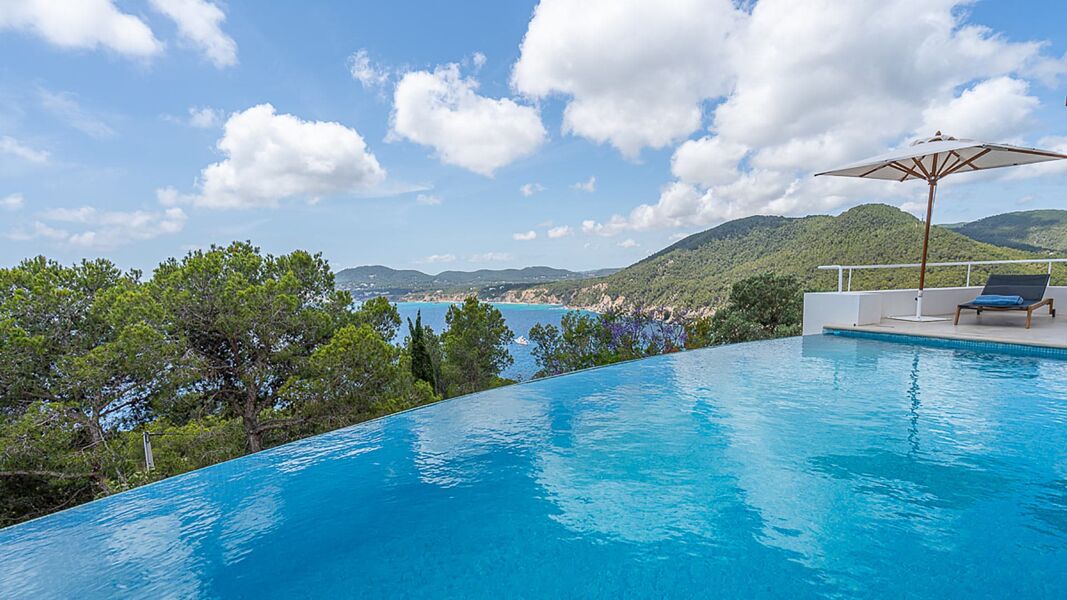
<point x="796" y="468"/>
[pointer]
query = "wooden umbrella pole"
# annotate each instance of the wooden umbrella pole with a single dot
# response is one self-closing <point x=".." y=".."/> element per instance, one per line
<point x="926" y="246"/>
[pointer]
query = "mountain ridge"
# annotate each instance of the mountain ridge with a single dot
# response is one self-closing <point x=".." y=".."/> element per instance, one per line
<point x="694" y="274"/>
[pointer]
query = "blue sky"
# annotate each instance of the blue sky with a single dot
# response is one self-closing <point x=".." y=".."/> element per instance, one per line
<point x="403" y="133"/>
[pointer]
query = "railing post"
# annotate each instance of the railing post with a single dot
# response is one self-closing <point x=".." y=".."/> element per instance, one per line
<point x="850" y="280"/>
<point x="149" y="460"/>
<point x="968" y="275"/>
<point x="840" y="279"/>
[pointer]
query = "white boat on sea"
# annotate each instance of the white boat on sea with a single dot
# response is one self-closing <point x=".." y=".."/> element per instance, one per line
<point x="521" y="341"/>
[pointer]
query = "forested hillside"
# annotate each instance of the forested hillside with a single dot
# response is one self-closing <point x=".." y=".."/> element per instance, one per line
<point x="696" y="272"/>
<point x="1031" y="230"/>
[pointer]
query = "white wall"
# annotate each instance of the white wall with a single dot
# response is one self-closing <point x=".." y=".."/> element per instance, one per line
<point x="868" y="308"/>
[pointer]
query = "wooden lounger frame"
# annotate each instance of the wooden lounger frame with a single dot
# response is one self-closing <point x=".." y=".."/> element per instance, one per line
<point x="1029" y="310"/>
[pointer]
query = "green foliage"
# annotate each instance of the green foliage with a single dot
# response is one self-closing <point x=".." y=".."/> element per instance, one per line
<point x="82" y="354"/>
<point x="251" y="320"/>
<point x="381" y="315"/>
<point x="354" y="377"/>
<point x="475" y="347"/>
<point x="225" y="351"/>
<point x="582" y="340"/>
<point x="761" y="307"/>
<point x="419" y="343"/>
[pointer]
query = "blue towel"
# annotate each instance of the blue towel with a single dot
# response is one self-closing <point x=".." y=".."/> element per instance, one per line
<point x="995" y="300"/>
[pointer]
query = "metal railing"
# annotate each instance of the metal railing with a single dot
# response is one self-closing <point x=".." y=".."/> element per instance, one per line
<point x="841" y="269"/>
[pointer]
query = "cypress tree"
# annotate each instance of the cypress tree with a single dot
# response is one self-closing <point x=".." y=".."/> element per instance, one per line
<point x="421" y="362"/>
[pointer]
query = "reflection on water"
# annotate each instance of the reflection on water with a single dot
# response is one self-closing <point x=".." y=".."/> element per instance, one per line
<point x="820" y="466"/>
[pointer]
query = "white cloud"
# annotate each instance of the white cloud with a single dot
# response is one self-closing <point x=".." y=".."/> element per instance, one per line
<point x="991" y="110"/>
<point x="586" y="186"/>
<point x="10" y="145"/>
<point x="525" y="236"/>
<point x="529" y="189"/>
<point x="102" y="230"/>
<point x="844" y="80"/>
<point x="369" y="74"/>
<point x="436" y="259"/>
<point x="12" y="202"/>
<point x="628" y="243"/>
<point x="561" y="231"/>
<point x="635" y="71"/>
<point x="478" y="59"/>
<point x="88" y="24"/>
<point x="428" y="200"/>
<point x="205" y="117"/>
<point x="490" y="257"/>
<point x="680" y="235"/>
<point x="199" y="25"/>
<point x="707" y="161"/>
<point x="443" y="111"/>
<point x="614" y="226"/>
<point x="67" y="108"/>
<point x="271" y="157"/>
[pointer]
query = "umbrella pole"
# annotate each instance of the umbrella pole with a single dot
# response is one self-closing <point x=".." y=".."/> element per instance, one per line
<point x="926" y="245"/>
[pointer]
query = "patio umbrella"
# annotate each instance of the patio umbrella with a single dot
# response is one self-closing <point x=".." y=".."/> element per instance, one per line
<point x="931" y="160"/>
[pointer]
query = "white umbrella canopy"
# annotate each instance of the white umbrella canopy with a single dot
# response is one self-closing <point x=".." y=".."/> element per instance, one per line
<point x="932" y="159"/>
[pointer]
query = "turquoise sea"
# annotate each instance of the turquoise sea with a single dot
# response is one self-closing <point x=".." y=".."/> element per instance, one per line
<point x="520" y="318"/>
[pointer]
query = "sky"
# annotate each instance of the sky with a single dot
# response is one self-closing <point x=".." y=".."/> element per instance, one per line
<point x="488" y="134"/>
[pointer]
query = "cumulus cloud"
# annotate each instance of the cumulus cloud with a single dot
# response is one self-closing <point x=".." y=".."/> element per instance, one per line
<point x="707" y="161"/>
<point x="490" y="257"/>
<point x="428" y="200"/>
<point x="200" y="26"/>
<point x="369" y="74"/>
<point x="9" y="145"/>
<point x="12" y="202"/>
<point x="90" y="228"/>
<point x="993" y="109"/>
<point x="561" y="231"/>
<point x="850" y="79"/>
<point x="85" y="24"/>
<point x="205" y="117"/>
<point x="588" y="185"/>
<point x="529" y="189"/>
<point x="525" y="236"/>
<point x="442" y="110"/>
<point x="271" y="157"/>
<point x="665" y="58"/>
<point x="628" y="243"/>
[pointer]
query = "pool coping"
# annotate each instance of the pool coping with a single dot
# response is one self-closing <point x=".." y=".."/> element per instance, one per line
<point x="961" y="342"/>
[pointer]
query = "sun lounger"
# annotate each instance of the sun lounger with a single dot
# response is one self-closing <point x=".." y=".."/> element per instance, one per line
<point x="1011" y="293"/>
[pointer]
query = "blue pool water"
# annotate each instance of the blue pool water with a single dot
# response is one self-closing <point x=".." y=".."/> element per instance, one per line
<point x="520" y="318"/>
<point x="807" y="467"/>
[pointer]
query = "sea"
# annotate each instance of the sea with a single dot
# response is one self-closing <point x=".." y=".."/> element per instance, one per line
<point x="520" y="318"/>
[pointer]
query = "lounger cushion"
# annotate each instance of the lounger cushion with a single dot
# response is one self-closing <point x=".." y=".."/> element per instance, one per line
<point x="997" y="300"/>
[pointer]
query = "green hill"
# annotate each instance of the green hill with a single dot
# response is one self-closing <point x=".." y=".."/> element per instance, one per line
<point x="696" y="272"/>
<point x="1030" y="230"/>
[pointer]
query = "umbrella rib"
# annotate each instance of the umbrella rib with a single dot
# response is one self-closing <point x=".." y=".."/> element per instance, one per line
<point x="872" y="170"/>
<point x="907" y="170"/>
<point x="922" y="167"/>
<point x="946" y="168"/>
<point x="968" y="163"/>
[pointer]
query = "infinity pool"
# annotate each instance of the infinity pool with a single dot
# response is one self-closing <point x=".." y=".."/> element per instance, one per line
<point x="807" y="467"/>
